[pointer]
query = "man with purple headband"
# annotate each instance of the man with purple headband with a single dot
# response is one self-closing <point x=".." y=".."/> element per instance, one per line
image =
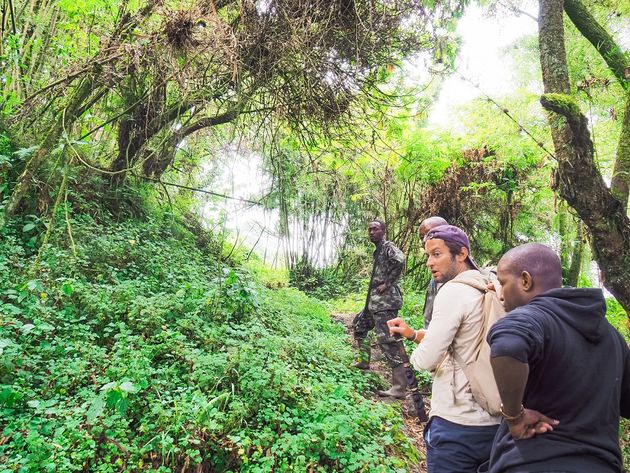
<point x="460" y="432"/>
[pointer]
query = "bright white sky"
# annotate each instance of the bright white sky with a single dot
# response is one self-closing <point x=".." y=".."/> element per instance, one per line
<point x="481" y="59"/>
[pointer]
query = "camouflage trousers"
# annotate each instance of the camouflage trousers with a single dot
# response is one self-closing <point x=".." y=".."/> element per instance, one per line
<point x="392" y="348"/>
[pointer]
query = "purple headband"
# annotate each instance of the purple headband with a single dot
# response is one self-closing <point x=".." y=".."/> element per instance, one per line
<point x="453" y="234"/>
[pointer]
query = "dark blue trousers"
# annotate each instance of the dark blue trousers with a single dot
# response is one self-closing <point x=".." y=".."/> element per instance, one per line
<point x="455" y="448"/>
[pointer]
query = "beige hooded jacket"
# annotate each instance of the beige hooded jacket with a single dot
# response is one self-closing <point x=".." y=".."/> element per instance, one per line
<point x="456" y="323"/>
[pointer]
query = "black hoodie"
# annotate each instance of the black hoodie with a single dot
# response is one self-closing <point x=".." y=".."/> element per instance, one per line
<point x="579" y="373"/>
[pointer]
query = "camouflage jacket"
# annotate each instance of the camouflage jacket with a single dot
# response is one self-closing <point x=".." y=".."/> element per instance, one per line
<point x="389" y="263"/>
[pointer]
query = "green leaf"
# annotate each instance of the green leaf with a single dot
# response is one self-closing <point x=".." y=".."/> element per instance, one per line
<point x="67" y="288"/>
<point x="108" y="386"/>
<point x="113" y="397"/>
<point x="122" y="405"/>
<point x="96" y="409"/>
<point x="28" y="227"/>
<point x="35" y="285"/>
<point x="128" y="387"/>
<point x="11" y="309"/>
<point x="8" y="397"/>
<point x="44" y="327"/>
<point x="27" y="328"/>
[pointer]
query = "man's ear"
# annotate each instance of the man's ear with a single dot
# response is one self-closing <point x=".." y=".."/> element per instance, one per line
<point x="527" y="282"/>
<point x="463" y="254"/>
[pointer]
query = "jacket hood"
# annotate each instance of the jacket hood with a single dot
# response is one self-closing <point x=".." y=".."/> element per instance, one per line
<point x="583" y="309"/>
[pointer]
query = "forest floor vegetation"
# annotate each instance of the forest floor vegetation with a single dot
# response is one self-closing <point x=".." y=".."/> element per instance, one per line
<point x="133" y="347"/>
<point x="413" y="428"/>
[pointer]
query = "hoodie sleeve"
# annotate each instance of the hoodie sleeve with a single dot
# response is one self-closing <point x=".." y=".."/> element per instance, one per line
<point x="517" y="336"/>
<point x="625" y="384"/>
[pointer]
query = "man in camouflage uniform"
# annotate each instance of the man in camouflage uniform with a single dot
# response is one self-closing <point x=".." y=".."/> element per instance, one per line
<point x="383" y="301"/>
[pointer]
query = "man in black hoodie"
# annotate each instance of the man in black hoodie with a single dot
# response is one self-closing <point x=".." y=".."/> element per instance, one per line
<point x="555" y="353"/>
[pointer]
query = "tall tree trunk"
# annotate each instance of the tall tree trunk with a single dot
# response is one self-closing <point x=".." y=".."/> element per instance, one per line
<point x="577" y="178"/>
<point x="67" y="117"/>
<point x="577" y="256"/>
<point x="565" y="239"/>
<point x="619" y="64"/>
<point x="620" y="185"/>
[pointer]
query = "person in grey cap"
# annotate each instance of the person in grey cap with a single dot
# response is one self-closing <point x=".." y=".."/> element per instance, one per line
<point x="460" y="432"/>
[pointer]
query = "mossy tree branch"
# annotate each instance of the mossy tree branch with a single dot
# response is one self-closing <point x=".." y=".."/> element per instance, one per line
<point x="562" y="104"/>
<point x="619" y="63"/>
<point x="617" y="60"/>
<point x="577" y="177"/>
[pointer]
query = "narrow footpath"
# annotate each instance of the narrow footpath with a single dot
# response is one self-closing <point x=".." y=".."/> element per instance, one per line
<point x="413" y="429"/>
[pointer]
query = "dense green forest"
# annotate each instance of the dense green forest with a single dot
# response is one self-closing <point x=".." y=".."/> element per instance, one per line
<point x="137" y="335"/>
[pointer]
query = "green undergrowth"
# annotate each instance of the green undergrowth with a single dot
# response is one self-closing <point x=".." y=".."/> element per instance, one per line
<point x="617" y="317"/>
<point x="131" y="348"/>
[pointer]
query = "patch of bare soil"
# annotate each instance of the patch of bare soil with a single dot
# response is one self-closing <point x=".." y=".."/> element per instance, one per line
<point x="413" y="428"/>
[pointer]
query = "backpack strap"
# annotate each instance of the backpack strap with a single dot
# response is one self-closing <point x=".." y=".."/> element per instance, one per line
<point x="481" y="284"/>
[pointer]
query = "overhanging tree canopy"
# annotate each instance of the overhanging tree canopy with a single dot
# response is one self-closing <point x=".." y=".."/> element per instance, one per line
<point x="169" y="69"/>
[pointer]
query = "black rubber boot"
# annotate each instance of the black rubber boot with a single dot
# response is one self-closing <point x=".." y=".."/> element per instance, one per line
<point x="399" y="384"/>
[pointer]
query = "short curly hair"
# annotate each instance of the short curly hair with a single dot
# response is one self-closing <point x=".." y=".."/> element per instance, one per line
<point x="381" y="223"/>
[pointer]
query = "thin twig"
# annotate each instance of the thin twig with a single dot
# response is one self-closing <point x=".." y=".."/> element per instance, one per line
<point x="506" y="112"/>
<point x="196" y="189"/>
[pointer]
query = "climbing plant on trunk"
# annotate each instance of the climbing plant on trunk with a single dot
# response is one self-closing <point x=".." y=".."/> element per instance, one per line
<point x="577" y="177"/>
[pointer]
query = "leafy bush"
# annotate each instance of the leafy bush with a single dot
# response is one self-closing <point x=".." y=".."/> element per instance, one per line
<point x="133" y="349"/>
<point x="323" y="283"/>
<point x="618" y="317"/>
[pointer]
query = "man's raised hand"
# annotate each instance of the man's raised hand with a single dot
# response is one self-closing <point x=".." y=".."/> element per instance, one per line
<point x="400" y="327"/>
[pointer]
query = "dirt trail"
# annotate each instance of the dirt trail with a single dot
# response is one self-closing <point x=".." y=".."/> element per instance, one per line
<point x="413" y="428"/>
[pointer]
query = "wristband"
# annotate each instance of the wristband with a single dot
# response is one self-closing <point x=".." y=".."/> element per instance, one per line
<point x="510" y="418"/>
<point x="413" y="337"/>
